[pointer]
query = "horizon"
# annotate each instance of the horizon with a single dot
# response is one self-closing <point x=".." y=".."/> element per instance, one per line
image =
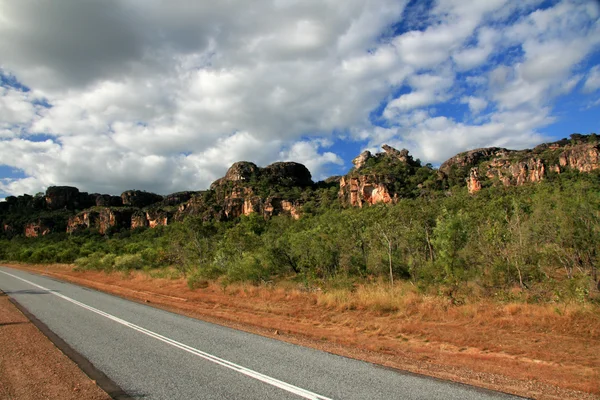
<point x="165" y="97"/>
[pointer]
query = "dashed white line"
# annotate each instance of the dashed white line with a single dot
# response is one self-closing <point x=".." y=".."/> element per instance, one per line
<point x="227" y="364"/>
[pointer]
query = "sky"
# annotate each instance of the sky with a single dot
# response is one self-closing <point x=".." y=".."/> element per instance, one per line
<point x="164" y="96"/>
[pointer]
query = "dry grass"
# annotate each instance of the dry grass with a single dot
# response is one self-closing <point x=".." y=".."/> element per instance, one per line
<point x="533" y="350"/>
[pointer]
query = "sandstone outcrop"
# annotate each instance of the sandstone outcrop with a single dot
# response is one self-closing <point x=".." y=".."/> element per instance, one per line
<point x="518" y="167"/>
<point x="103" y="219"/>
<point x="365" y="189"/>
<point x="106" y="200"/>
<point x="139" y="198"/>
<point x="285" y="188"/>
<point x="82" y="221"/>
<point x="473" y="182"/>
<point x="58" y="197"/>
<point x="248" y="189"/>
<point x="37" y="228"/>
<point x="374" y="177"/>
<point x="362" y="159"/>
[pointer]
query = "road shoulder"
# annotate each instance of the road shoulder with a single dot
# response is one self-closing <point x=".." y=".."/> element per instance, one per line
<point x="31" y="367"/>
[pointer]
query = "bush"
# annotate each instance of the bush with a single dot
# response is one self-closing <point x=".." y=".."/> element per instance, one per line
<point x="129" y="262"/>
<point x="249" y="269"/>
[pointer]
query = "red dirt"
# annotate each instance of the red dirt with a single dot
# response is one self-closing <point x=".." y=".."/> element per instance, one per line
<point x="528" y="350"/>
<point x="31" y="367"/>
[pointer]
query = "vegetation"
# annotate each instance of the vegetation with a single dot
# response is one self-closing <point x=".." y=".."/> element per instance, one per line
<point x="535" y="243"/>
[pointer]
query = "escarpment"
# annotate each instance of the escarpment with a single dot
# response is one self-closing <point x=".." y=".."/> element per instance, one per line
<point x="493" y="166"/>
<point x="287" y="188"/>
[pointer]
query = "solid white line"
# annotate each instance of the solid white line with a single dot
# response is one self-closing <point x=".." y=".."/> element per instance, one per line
<point x="227" y="364"/>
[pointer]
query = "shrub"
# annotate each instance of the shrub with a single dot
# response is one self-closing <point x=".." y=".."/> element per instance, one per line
<point x="249" y="269"/>
<point x="128" y="262"/>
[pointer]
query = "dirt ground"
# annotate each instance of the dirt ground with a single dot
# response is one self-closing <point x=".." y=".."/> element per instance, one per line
<point x="528" y="350"/>
<point x="31" y="367"/>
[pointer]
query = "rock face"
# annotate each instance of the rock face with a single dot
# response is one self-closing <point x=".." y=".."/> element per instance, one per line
<point x="375" y="183"/>
<point x="401" y="155"/>
<point x="519" y="167"/>
<point x="583" y="157"/>
<point x="138" y="198"/>
<point x="248" y="189"/>
<point x="473" y="182"/>
<point x="283" y="188"/>
<point x="365" y="189"/>
<point x="470" y="158"/>
<point x="175" y="199"/>
<point x="58" y="197"/>
<point x="101" y="218"/>
<point x="287" y="174"/>
<point x="82" y="221"/>
<point x="361" y="159"/>
<point x="38" y="228"/>
<point x="106" y="200"/>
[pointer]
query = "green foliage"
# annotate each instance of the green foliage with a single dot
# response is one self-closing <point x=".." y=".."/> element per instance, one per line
<point x="128" y="262"/>
<point x="532" y="243"/>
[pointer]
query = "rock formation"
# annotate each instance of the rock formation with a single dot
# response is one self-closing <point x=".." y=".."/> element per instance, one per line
<point x="373" y="178"/>
<point x="518" y="167"/>
<point x="139" y="198"/>
<point x="361" y="159"/>
<point x="37" y="228"/>
<point x="284" y="188"/>
<point x="365" y="189"/>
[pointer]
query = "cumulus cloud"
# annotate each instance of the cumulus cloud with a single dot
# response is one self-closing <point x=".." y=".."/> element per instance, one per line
<point x="592" y="83"/>
<point x="164" y="96"/>
<point x="307" y="153"/>
<point x="476" y="104"/>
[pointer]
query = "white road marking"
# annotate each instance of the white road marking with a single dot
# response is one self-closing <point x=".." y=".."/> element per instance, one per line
<point x="227" y="364"/>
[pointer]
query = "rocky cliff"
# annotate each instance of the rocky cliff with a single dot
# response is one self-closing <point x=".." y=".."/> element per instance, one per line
<point x="383" y="178"/>
<point x="492" y="166"/>
<point x="286" y="188"/>
<point x="273" y="190"/>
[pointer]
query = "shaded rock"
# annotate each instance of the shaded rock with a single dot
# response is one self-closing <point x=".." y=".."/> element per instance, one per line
<point x="241" y="171"/>
<point x="58" y="197"/>
<point x="103" y="219"/>
<point x="158" y="217"/>
<point x="84" y="220"/>
<point x="174" y="199"/>
<point x="139" y="198"/>
<point x="287" y="174"/>
<point x="37" y="228"/>
<point x="106" y="200"/>
<point x="114" y="219"/>
<point x="139" y="220"/>
<point x="201" y="205"/>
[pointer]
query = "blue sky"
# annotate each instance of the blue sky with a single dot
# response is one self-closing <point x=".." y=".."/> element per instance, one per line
<point x="165" y="96"/>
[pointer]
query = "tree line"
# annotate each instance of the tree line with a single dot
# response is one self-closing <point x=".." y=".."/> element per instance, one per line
<point x="537" y="243"/>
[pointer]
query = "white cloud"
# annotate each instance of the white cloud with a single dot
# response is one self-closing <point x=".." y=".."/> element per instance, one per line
<point x="592" y="83"/>
<point x="307" y="153"/>
<point x="435" y="139"/>
<point x="476" y="104"/>
<point x="471" y="57"/>
<point x="164" y="96"/>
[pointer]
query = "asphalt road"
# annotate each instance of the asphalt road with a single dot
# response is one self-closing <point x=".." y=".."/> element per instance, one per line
<point x="154" y="354"/>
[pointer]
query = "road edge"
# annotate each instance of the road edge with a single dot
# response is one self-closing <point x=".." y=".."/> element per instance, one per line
<point x="103" y="381"/>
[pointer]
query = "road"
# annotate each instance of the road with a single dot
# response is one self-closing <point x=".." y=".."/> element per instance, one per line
<point x="155" y="354"/>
